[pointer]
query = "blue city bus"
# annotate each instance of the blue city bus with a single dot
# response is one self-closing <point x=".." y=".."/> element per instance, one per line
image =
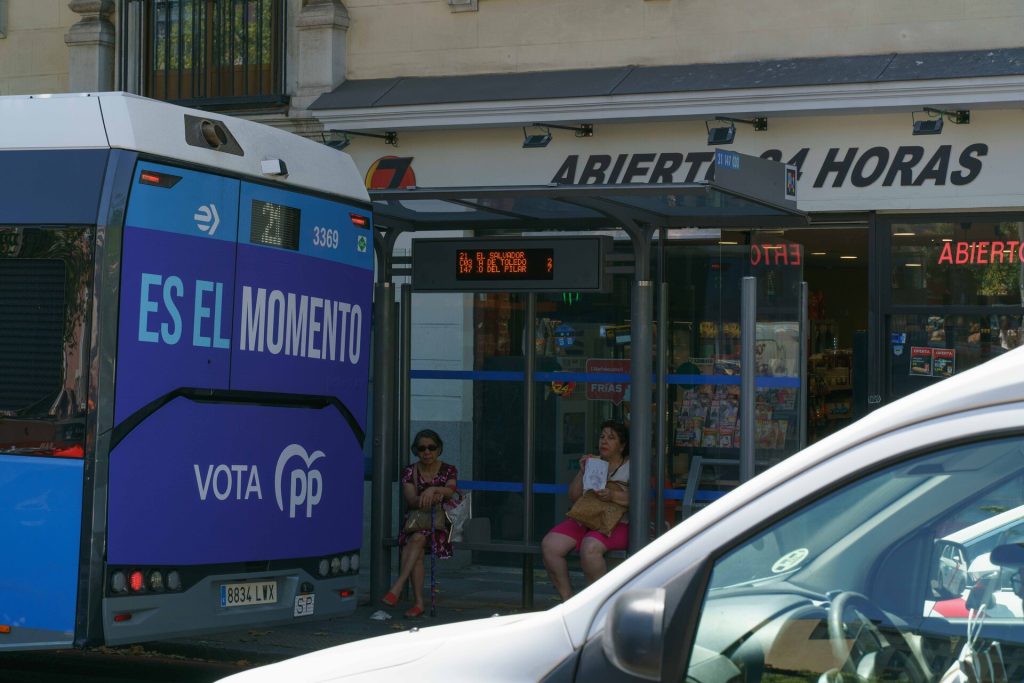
<point x="185" y="304"/>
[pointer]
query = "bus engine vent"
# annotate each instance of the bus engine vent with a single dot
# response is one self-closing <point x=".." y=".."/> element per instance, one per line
<point x="32" y="343"/>
<point x="275" y="225"/>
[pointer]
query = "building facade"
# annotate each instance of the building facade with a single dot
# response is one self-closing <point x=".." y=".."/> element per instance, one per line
<point x="898" y="116"/>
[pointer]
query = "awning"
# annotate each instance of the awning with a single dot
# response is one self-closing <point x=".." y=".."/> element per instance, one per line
<point x="739" y="190"/>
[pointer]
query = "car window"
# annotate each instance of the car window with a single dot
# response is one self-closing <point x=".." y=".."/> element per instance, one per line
<point x="872" y="580"/>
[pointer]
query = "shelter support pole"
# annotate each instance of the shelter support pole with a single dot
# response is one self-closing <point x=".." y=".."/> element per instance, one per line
<point x="404" y="379"/>
<point x="804" y="328"/>
<point x="529" y="433"/>
<point x="663" y="407"/>
<point x="640" y="383"/>
<point x="383" y="438"/>
<point x="383" y="415"/>
<point x="748" y="375"/>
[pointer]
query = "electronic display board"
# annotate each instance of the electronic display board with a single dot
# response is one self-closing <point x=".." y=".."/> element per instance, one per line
<point x="523" y="264"/>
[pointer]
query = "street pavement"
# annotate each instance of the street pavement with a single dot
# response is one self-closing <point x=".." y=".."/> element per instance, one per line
<point x="463" y="593"/>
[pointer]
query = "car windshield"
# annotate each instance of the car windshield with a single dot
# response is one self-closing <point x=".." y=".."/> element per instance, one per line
<point x="869" y="569"/>
<point x="871" y="515"/>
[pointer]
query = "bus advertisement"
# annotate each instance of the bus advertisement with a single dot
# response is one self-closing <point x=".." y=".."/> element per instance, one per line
<point x="185" y="305"/>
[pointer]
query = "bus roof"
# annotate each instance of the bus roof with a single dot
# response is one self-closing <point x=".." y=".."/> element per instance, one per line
<point x="118" y="120"/>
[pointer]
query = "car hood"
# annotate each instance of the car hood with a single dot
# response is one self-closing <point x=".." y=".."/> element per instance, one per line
<point x="511" y="648"/>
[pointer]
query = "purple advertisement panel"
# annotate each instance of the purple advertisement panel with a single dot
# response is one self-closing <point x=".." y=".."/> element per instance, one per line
<point x="303" y="328"/>
<point x="177" y="289"/>
<point x="202" y="483"/>
<point x="302" y="314"/>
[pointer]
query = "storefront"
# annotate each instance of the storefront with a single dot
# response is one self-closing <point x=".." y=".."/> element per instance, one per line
<point x="913" y="260"/>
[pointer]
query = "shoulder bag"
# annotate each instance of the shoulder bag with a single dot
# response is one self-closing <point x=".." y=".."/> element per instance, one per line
<point x="597" y="514"/>
<point x="419" y="520"/>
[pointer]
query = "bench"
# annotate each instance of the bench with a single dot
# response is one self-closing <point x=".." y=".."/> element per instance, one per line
<point x="477" y="537"/>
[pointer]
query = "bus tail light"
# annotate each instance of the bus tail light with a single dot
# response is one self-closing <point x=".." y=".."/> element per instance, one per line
<point x="346" y="592"/>
<point x="118" y="582"/>
<point x="5" y="629"/>
<point x="125" y="580"/>
<point x="123" y="616"/>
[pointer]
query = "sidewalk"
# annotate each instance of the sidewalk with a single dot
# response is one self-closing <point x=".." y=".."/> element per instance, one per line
<point x="463" y="593"/>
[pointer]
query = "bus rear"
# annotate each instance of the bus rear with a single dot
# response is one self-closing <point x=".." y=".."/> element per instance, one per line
<point x="205" y="419"/>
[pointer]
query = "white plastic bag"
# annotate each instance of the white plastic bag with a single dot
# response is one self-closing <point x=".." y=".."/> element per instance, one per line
<point x="458" y="509"/>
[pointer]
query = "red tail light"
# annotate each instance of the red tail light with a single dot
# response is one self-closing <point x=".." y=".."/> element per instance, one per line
<point x="136" y="581"/>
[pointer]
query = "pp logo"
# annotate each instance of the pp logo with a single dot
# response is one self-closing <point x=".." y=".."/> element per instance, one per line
<point x="305" y="486"/>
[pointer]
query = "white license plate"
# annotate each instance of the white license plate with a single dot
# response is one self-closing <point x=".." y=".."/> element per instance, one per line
<point x="304" y="605"/>
<point x="251" y="593"/>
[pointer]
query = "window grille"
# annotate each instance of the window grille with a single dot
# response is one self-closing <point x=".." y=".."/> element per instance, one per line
<point x="209" y="53"/>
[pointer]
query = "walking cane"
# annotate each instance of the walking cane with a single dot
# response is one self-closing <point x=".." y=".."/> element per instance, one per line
<point x="433" y="539"/>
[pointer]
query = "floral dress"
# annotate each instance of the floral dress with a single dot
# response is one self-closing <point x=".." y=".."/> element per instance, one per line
<point x="442" y="547"/>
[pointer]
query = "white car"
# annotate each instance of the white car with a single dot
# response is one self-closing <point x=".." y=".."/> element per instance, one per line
<point x="816" y="570"/>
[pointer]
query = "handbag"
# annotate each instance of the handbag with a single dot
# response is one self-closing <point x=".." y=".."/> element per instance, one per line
<point x="419" y="520"/>
<point x="594" y="513"/>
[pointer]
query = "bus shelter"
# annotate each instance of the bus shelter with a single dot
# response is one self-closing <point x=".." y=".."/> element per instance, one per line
<point x="738" y="190"/>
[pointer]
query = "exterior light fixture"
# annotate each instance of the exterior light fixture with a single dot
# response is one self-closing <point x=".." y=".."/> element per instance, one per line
<point x="389" y="137"/>
<point x="542" y="136"/>
<point x="932" y="125"/>
<point x="724" y="135"/>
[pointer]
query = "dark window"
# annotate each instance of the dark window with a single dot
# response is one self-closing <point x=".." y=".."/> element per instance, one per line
<point x="216" y="53"/>
<point x="45" y="276"/>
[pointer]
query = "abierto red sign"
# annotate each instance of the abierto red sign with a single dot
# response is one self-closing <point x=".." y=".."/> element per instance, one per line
<point x="615" y="388"/>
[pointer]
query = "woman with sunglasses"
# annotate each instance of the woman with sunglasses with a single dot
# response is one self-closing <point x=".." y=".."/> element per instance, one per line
<point x="424" y="484"/>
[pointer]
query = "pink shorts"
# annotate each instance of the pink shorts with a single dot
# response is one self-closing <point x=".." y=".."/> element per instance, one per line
<point x="618" y="540"/>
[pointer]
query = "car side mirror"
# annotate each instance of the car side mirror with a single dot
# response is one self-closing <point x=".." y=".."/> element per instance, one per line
<point x="633" y="637"/>
<point x="949" y="573"/>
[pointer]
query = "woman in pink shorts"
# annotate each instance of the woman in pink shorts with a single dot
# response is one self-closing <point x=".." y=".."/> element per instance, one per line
<point x="569" y="535"/>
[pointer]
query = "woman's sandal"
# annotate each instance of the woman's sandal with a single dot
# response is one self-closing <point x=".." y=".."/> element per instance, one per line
<point x="390" y="599"/>
<point x="413" y="612"/>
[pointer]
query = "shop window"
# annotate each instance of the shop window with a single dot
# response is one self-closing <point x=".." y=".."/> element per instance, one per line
<point x="965" y="264"/>
<point x="923" y="349"/>
<point x="218" y="53"/>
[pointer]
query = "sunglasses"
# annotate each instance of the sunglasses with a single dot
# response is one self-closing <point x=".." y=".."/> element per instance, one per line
<point x="432" y="447"/>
